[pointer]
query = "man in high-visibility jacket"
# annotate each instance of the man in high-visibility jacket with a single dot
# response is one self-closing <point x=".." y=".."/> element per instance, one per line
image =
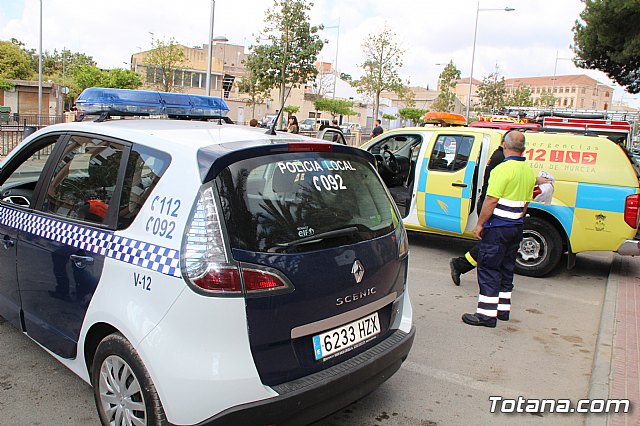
<point x="542" y="193"/>
<point x="500" y="230"/>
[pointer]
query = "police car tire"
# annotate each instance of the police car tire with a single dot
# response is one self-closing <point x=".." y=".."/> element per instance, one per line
<point x="552" y="242"/>
<point x="116" y="344"/>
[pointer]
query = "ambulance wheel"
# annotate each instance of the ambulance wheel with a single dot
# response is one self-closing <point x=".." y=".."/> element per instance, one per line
<point x="122" y="388"/>
<point x="540" y="248"/>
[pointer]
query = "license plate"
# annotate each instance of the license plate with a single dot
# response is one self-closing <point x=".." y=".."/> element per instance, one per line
<point x="346" y="336"/>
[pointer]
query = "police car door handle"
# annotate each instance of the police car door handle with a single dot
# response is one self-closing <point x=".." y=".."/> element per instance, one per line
<point x="8" y="242"/>
<point x="460" y="185"/>
<point x="81" y="262"/>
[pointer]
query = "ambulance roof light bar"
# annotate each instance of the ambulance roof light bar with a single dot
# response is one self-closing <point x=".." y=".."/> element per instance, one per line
<point x="107" y="102"/>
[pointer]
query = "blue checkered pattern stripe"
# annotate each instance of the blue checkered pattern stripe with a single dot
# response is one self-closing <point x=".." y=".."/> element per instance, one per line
<point x="139" y="253"/>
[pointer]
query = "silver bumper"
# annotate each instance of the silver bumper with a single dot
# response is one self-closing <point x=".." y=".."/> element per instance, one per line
<point x="630" y="248"/>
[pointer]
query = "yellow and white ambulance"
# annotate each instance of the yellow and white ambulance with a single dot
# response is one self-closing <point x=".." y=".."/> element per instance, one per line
<point x="435" y="175"/>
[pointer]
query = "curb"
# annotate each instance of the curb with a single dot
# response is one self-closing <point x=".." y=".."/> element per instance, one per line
<point x="603" y="357"/>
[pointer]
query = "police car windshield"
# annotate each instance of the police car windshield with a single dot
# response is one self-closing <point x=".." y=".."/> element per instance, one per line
<point x="303" y="201"/>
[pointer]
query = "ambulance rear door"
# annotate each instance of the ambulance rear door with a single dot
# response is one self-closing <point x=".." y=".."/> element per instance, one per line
<point x="448" y="188"/>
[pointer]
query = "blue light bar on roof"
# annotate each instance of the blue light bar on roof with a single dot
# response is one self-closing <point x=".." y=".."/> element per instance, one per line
<point x="97" y="100"/>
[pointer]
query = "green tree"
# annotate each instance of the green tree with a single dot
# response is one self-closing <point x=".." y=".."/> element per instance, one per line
<point x="31" y="53"/>
<point x="86" y="76"/>
<point x="546" y="99"/>
<point x="521" y="97"/>
<point x="121" y="79"/>
<point x="383" y="59"/>
<point x="288" y="57"/>
<point x="334" y="106"/>
<point x="64" y="62"/>
<point x="6" y="85"/>
<point x="346" y="77"/>
<point x="406" y="96"/>
<point x="492" y="92"/>
<point x="414" y="115"/>
<point x="607" y="39"/>
<point x="390" y="117"/>
<point x="291" y="109"/>
<point x="165" y="58"/>
<point x="15" y="63"/>
<point x="257" y="94"/>
<point x="446" y="100"/>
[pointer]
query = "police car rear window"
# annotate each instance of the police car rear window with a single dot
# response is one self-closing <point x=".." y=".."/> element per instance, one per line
<point x="303" y="201"/>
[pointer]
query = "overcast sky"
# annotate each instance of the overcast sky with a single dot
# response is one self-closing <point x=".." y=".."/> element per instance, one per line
<point x="522" y="43"/>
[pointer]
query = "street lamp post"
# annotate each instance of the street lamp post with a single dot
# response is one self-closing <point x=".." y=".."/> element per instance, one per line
<point x="210" y="38"/>
<point x="473" y="52"/>
<point x="40" y="70"/>
<point x="335" y="65"/>
<point x="555" y="68"/>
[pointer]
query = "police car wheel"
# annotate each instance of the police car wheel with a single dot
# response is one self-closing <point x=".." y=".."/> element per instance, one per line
<point x="540" y="249"/>
<point x="122" y="388"/>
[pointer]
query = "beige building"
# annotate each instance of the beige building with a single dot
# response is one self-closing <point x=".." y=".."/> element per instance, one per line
<point x="226" y="67"/>
<point x="570" y="91"/>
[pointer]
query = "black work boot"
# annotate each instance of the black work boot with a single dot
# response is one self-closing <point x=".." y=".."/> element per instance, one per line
<point x="459" y="266"/>
<point x="474" y="319"/>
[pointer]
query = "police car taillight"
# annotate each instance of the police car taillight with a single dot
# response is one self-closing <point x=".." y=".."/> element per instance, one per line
<point x="203" y="256"/>
<point x="631" y="206"/>
<point x="257" y="281"/>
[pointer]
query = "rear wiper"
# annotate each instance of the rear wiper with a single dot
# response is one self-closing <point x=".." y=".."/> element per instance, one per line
<point x="336" y="233"/>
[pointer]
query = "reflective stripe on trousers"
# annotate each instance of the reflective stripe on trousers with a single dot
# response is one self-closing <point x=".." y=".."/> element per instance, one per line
<point x="496" y="262"/>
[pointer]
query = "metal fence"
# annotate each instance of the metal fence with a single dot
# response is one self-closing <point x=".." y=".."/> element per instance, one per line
<point x="19" y="126"/>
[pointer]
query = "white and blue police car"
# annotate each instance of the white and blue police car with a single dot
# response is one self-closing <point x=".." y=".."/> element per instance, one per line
<point x="203" y="273"/>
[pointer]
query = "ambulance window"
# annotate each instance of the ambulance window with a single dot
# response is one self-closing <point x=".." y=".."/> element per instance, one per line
<point x="450" y="153"/>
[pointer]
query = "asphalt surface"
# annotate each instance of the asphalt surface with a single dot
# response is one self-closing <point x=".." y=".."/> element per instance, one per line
<point x="545" y="351"/>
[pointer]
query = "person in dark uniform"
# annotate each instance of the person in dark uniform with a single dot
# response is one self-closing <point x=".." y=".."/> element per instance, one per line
<point x="499" y="230"/>
<point x="467" y="262"/>
<point x="463" y="264"/>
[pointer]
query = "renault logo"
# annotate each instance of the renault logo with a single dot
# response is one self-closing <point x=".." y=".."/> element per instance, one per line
<point x="358" y="271"/>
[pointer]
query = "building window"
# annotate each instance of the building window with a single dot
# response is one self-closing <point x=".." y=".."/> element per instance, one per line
<point x="186" y="79"/>
<point x="584" y="90"/>
<point x="195" y="79"/>
<point x="571" y="104"/>
<point x="606" y="94"/>
<point x="573" y="90"/>
<point x="150" y="74"/>
<point x="177" y="78"/>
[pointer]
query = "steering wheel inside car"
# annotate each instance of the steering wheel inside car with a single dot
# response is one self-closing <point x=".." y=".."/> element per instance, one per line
<point x="389" y="162"/>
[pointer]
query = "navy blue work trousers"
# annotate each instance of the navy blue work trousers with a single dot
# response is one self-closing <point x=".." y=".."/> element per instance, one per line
<point x="496" y="261"/>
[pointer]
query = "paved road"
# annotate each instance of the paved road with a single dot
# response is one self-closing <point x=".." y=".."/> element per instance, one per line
<point x="545" y="351"/>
